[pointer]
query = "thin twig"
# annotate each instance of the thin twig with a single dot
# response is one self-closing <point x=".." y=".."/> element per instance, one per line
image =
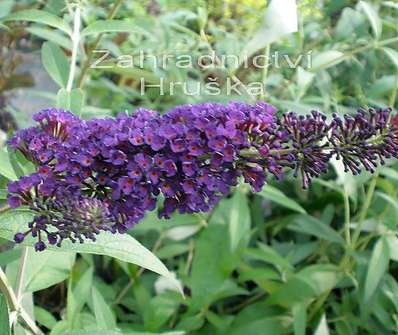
<point x="75" y="47"/>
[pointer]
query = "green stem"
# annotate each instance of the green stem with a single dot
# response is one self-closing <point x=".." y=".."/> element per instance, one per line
<point x="365" y="208"/>
<point x="347" y="217"/>
<point x="75" y="46"/>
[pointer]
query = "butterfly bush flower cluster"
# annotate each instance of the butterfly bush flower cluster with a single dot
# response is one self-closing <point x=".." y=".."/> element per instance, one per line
<point x="105" y="174"/>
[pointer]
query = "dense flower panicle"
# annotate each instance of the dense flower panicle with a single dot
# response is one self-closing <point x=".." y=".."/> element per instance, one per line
<point x="105" y="174"/>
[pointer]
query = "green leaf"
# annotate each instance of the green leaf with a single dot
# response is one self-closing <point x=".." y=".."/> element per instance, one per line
<point x="4" y="319"/>
<point x="277" y="196"/>
<point x="71" y="101"/>
<point x="373" y="17"/>
<point x="212" y="263"/>
<point x="269" y="326"/>
<point x="6" y="168"/>
<point x="109" y="26"/>
<point x="392" y="54"/>
<point x="392" y="241"/>
<point x="172" y="250"/>
<point x="44" y="317"/>
<point x="121" y="246"/>
<point x="312" y="226"/>
<point x="390" y="4"/>
<point x="280" y="19"/>
<point x="239" y="219"/>
<point x="307" y="284"/>
<point x="3" y="194"/>
<point x="78" y="296"/>
<point x="159" y="310"/>
<point x="268" y="255"/>
<point x="52" y="36"/>
<point x="326" y="59"/>
<point x="299" y="319"/>
<point x="103" y="314"/>
<point x="322" y="327"/>
<point x="378" y="265"/>
<point x="391" y="200"/>
<point x="43" y="269"/>
<point x="40" y="16"/>
<point x="55" y="62"/>
<point x="6" y="7"/>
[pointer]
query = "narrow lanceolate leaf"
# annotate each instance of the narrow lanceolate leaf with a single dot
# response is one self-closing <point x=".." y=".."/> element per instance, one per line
<point x="239" y="223"/>
<point x="377" y="267"/>
<point x="278" y="197"/>
<point x="51" y="35"/>
<point x="120" y="246"/>
<point x="299" y="319"/>
<point x="55" y="62"/>
<point x="4" y="318"/>
<point x="392" y="241"/>
<point x="373" y="17"/>
<point x="280" y="19"/>
<point x="108" y="26"/>
<point x="42" y="270"/>
<point x="322" y="328"/>
<point x="306" y="285"/>
<point x="326" y="59"/>
<point x="40" y="16"/>
<point x="312" y="226"/>
<point x="392" y="54"/>
<point x="103" y="314"/>
<point x="78" y="296"/>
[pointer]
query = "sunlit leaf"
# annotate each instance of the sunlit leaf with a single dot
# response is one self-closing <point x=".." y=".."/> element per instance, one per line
<point x="392" y="54"/>
<point x="55" y="62"/>
<point x="373" y="17"/>
<point x="239" y="219"/>
<point x="280" y="19"/>
<point x="103" y="314"/>
<point x="4" y="319"/>
<point x="326" y="59"/>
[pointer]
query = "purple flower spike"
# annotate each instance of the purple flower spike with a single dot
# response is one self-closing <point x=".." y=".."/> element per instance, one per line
<point x="105" y="174"/>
